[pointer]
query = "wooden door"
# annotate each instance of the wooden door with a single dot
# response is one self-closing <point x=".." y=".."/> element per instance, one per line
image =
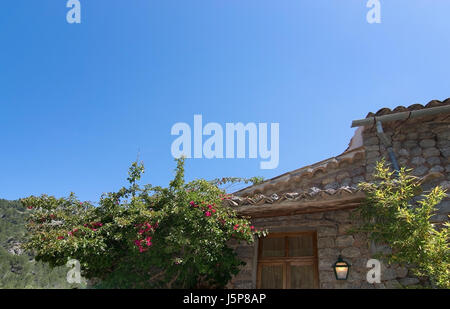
<point x="288" y="261"/>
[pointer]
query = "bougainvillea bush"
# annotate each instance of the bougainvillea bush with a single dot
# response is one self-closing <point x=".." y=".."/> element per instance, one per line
<point x="143" y="236"/>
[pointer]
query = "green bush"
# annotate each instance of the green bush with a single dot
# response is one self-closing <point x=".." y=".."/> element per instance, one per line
<point x="143" y="236"/>
<point x="396" y="214"/>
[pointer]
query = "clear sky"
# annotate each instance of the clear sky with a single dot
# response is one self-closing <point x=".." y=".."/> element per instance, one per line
<point x="78" y="101"/>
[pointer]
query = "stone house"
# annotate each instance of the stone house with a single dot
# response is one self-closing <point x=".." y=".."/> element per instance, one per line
<point x="308" y="211"/>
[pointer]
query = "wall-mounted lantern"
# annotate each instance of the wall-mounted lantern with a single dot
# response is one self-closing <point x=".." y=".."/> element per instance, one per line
<point x="341" y="269"/>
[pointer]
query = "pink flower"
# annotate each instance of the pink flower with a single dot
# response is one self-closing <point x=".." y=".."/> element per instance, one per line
<point x="192" y="203"/>
<point x="252" y="227"/>
<point x="213" y="210"/>
<point x="208" y="214"/>
<point x="209" y="207"/>
<point x="142" y="249"/>
<point x="148" y="241"/>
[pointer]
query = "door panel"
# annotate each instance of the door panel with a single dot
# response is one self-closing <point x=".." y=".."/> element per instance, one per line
<point x="301" y="277"/>
<point x="272" y="276"/>
<point x="273" y="247"/>
<point x="301" y="245"/>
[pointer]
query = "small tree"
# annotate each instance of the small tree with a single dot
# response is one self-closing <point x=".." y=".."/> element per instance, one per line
<point x="395" y="214"/>
<point x="143" y="237"/>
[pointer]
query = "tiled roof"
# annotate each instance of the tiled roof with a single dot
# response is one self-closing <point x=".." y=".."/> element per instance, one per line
<point x="313" y="193"/>
<point x="312" y="200"/>
<point x="398" y="109"/>
<point x="283" y="181"/>
<point x="261" y="197"/>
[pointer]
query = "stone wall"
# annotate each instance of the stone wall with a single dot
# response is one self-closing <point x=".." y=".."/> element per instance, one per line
<point x="422" y="145"/>
<point x="332" y="241"/>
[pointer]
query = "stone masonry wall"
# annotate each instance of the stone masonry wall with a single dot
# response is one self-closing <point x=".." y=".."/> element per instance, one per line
<point x="332" y="241"/>
<point x="422" y="145"/>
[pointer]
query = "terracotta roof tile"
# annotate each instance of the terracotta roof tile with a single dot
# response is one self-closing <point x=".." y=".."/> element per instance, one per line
<point x="387" y="111"/>
<point x="313" y="193"/>
<point x="254" y="195"/>
<point x="310" y="195"/>
<point x="296" y="176"/>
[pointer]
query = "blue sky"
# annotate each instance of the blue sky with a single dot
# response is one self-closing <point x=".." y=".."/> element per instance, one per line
<point x="78" y="101"/>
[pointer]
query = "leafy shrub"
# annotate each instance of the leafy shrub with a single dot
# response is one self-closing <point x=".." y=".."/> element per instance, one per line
<point x="395" y="214"/>
<point x="143" y="236"/>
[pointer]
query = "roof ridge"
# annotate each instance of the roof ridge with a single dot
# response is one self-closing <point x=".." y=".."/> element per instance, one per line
<point x="412" y="107"/>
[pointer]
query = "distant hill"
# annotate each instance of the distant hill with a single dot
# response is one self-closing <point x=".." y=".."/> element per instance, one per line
<point x="18" y="269"/>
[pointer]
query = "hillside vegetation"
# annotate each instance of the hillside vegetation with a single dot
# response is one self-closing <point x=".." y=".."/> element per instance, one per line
<point x="18" y="269"/>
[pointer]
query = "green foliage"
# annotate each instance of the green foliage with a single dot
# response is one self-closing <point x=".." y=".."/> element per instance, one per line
<point x="396" y="214"/>
<point x="143" y="236"/>
<point x="20" y="270"/>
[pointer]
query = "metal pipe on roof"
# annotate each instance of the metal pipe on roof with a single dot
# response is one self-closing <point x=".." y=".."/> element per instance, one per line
<point x="378" y="120"/>
<point x="402" y="115"/>
<point x="388" y="145"/>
